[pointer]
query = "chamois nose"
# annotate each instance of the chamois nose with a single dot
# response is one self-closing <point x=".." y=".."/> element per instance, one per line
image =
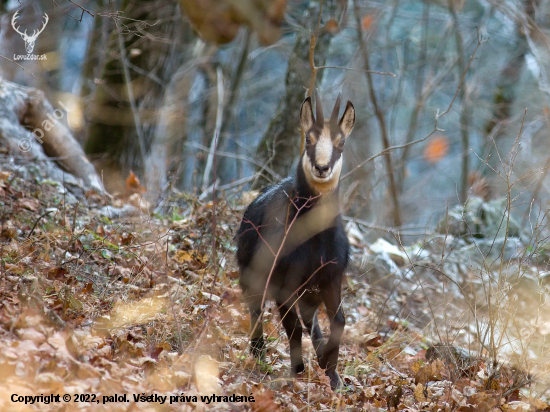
<point x="321" y="170"/>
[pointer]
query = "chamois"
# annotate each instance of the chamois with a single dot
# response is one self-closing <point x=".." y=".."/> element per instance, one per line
<point x="291" y="243"/>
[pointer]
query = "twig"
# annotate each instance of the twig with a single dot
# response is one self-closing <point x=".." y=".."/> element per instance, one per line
<point x="36" y="222"/>
<point x="305" y="283"/>
<point x="214" y="142"/>
<point x="480" y="41"/>
<point x="427" y="91"/>
<point x="172" y="304"/>
<point x="437" y="117"/>
<point x="14" y="62"/>
<point x="543" y="176"/>
<point x="313" y="68"/>
<point x="131" y="97"/>
<point x="381" y="121"/>
<point x="206" y="191"/>
<point x="235" y="156"/>
<point x="236" y="183"/>
<point x="276" y="255"/>
<point x="312" y="45"/>
<point x="420" y="96"/>
<point x="357" y="70"/>
<point x="82" y="10"/>
<point x="432" y="311"/>
<point x="388" y="150"/>
<point x="372" y="226"/>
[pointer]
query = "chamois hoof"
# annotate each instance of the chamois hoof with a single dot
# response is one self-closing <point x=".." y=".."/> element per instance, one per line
<point x="335" y="381"/>
<point x="323" y="362"/>
<point x="257" y="348"/>
<point x="298" y="369"/>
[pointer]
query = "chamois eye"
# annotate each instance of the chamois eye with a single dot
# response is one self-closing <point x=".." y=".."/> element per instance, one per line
<point x="308" y="139"/>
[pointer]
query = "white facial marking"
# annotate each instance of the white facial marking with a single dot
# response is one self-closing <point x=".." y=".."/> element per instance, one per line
<point x="336" y="169"/>
<point x="323" y="148"/>
<point x="322" y="184"/>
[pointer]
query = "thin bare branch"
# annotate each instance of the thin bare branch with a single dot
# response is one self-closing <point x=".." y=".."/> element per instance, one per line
<point x="357" y="70"/>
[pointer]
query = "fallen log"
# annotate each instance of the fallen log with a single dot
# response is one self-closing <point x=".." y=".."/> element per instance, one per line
<point x="33" y="130"/>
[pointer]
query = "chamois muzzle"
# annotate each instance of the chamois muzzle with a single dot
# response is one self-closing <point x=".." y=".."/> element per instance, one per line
<point x="322" y="171"/>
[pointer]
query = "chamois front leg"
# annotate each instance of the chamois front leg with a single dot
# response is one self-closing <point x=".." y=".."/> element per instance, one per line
<point x="293" y="329"/>
<point x="329" y="360"/>
<point x="257" y="343"/>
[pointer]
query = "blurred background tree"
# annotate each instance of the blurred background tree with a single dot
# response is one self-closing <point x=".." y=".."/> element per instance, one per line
<point x="154" y="86"/>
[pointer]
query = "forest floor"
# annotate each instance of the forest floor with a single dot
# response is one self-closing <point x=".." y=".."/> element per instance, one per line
<point x="143" y="307"/>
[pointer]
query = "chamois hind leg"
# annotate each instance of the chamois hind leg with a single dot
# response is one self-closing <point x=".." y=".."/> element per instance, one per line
<point x="329" y="360"/>
<point x="257" y="343"/>
<point x="308" y="309"/>
<point x="293" y="329"/>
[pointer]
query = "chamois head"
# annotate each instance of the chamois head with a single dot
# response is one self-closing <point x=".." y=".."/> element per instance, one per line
<point x="325" y="139"/>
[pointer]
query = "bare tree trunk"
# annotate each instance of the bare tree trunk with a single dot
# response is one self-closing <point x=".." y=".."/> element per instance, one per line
<point x="280" y="144"/>
<point x="138" y="65"/>
<point x="505" y="92"/>
<point x="465" y="109"/>
<point x="396" y="212"/>
<point x="504" y="97"/>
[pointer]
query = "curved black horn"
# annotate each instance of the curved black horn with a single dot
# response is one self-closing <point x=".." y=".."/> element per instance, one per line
<point x="318" y="109"/>
<point x="336" y="110"/>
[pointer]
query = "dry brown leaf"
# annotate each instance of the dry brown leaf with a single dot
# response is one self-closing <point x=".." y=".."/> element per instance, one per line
<point x="88" y="288"/>
<point x="57" y="272"/>
<point x="419" y="393"/>
<point x="33" y="335"/>
<point x="183" y="256"/>
<point x="163" y="346"/>
<point x="127" y="238"/>
<point x="372" y="339"/>
<point x="8" y="230"/>
<point x="430" y="372"/>
<point x="366" y="21"/>
<point x="264" y="402"/>
<point x="417" y="365"/>
<point x="436" y="149"/>
<point x="28" y="203"/>
<point x="484" y="401"/>
<point x="139" y="202"/>
<point x="76" y="247"/>
<point x="133" y="184"/>
<point x="218" y="21"/>
<point x="206" y="375"/>
<point x="100" y="230"/>
<point x="332" y="26"/>
<point x="136" y="312"/>
<point x="538" y="404"/>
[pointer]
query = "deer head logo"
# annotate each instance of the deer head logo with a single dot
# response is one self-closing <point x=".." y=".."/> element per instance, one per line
<point x="29" y="40"/>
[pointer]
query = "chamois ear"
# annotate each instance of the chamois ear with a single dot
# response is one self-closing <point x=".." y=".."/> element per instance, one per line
<point x="348" y="119"/>
<point x="306" y="115"/>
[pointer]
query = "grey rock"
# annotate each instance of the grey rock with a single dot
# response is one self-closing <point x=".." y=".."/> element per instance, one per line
<point x="479" y="219"/>
<point x="117" y="212"/>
